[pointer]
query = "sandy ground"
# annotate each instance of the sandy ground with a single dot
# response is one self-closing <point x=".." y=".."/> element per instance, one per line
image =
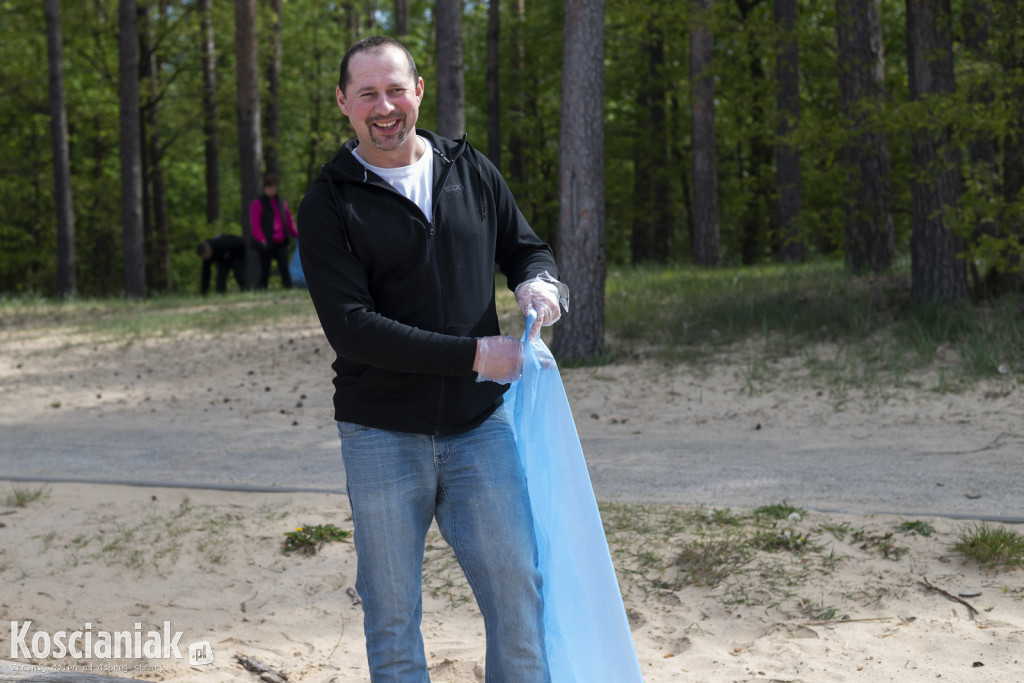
<point x="863" y="600"/>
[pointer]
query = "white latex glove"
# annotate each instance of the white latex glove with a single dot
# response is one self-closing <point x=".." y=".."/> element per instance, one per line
<point x="541" y="296"/>
<point x="498" y="359"/>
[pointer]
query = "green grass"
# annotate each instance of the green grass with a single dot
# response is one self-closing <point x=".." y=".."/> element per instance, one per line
<point x="774" y="556"/>
<point x="992" y="546"/>
<point x="848" y="332"/>
<point x="159" y="316"/>
<point x="20" y="497"/>
<point x="843" y="332"/>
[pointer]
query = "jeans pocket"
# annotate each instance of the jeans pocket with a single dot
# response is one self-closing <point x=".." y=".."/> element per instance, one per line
<point x="350" y="428"/>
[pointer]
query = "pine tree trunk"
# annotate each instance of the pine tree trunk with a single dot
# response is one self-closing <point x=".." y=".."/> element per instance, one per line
<point x="250" y="147"/>
<point x="211" y="142"/>
<point x="61" y="159"/>
<point x="705" y="226"/>
<point x="451" y="93"/>
<point x="869" y="226"/>
<point x="272" y="144"/>
<point x="401" y="17"/>
<point x="155" y="219"/>
<point x="131" y="152"/>
<point x="651" y="235"/>
<point x="516" y="144"/>
<point x="494" y="82"/>
<point x="791" y="246"/>
<point x="937" y="273"/>
<point x="581" y="239"/>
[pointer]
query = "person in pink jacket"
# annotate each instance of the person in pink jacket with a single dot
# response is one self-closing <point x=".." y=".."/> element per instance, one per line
<point x="272" y="224"/>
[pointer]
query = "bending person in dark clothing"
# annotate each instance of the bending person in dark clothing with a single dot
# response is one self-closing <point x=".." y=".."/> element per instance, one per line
<point x="228" y="252"/>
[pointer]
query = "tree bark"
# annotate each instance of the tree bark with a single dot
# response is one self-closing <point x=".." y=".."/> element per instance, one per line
<point x="705" y="227"/>
<point x="937" y="273"/>
<point x="155" y="222"/>
<point x="869" y="226"/>
<point x="272" y="123"/>
<point x="131" y="152"/>
<point x="451" y="93"/>
<point x="791" y="246"/>
<point x="581" y="239"/>
<point x="211" y="147"/>
<point x="756" y="169"/>
<point x="250" y="147"/>
<point x="61" y="157"/>
<point x="401" y="17"/>
<point x="494" y="83"/>
<point x="315" y="105"/>
<point x="516" y="143"/>
<point x="651" y="235"/>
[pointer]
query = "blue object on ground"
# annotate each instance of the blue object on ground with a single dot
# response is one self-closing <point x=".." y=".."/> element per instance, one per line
<point x="295" y="269"/>
<point x="586" y="629"/>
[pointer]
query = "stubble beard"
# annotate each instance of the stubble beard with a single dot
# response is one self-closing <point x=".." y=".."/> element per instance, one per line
<point x="388" y="145"/>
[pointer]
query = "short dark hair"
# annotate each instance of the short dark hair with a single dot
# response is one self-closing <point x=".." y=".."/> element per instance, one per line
<point x="270" y="180"/>
<point x="375" y="44"/>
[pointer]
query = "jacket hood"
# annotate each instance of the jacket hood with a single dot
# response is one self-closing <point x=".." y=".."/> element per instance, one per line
<point x="345" y="166"/>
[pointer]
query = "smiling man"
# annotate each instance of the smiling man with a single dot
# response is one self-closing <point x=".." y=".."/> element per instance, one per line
<point x="400" y="236"/>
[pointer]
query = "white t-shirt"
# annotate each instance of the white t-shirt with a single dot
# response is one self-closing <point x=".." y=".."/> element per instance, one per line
<point x="414" y="181"/>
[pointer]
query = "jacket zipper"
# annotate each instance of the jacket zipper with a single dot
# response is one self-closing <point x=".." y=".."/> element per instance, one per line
<point x="443" y="308"/>
<point x="432" y="246"/>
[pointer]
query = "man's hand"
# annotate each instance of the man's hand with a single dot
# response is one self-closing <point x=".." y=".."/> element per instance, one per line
<point x="541" y="296"/>
<point x="498" y="359"/>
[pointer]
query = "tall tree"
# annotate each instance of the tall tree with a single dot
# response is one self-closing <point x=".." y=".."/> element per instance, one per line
<point x="756" y="177"/>
<point x="517" y="71"/>
<point x="211" y="142"/>
<point x="451" y="91"/>
<point x="250" y="146"/>
<point x="650" y="239"/>
<point x="937" y="271"/>
<point x="272" y="122"/>
<point x="131" y="152"/>
<point x="787" y="158"/>
<point x="869" y="225"/>
<point x="401" y="17"/>
<point x="705" y="227"/>
<point x="494" y="82"/>
<point x="61" y="157"/>
<point x="156" y="230"/>
<point x="581" y="239"/>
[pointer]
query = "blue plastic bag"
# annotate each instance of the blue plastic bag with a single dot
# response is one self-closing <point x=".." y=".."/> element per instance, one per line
<point x="587" y="633"/>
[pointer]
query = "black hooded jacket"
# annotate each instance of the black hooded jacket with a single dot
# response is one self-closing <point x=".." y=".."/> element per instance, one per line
<point x="403" y="297"/>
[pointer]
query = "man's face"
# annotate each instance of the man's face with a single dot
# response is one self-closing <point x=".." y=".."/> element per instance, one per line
<point x="382" y="100"/>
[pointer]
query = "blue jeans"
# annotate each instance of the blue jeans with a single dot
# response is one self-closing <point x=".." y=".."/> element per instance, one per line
<point x="474" y="485"/>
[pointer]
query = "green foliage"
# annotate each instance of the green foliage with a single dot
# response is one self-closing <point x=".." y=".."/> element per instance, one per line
<point x="916" y="527"/>
<point x="780" y="511"/>
<point x="638" y="150"/>
<point x="309" y="539"/>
